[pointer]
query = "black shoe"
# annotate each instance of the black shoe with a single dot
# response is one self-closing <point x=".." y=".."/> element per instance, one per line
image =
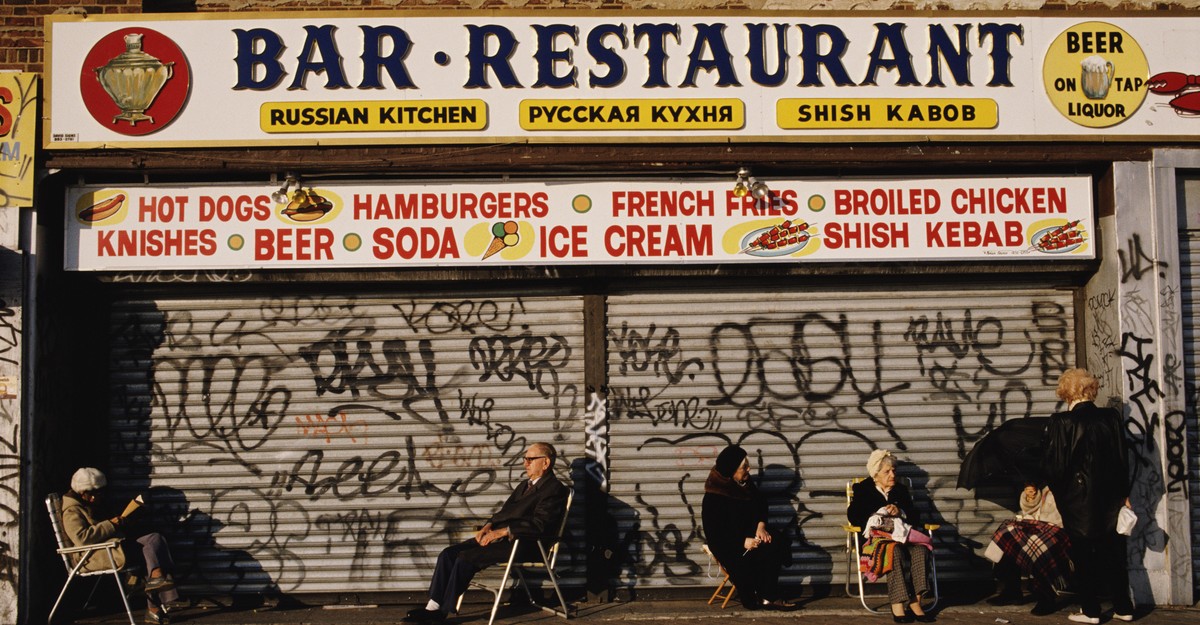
<point x="421" y="615"/>
<point x="907" y="618"/>
<point x="782" y="605"/>
<point x="925" y="618"/>
<point x="1044" y="607"/>
<point x="160" y="583"/>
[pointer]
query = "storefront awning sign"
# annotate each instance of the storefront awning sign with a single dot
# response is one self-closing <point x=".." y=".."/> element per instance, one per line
<point x="497" y="223"/>
<point x="552" y="76"/>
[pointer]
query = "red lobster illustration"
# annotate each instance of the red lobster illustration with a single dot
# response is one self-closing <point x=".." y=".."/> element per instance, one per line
<point x="1170" y="83"/>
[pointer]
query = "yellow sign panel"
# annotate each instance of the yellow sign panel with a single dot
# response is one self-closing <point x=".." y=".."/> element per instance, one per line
<point x="382" y="116"/>
<point x="888" y="113"/>
<point x="18" y="146"/>
<point x="1095" y="74"/>
<point x="664" y="114"/>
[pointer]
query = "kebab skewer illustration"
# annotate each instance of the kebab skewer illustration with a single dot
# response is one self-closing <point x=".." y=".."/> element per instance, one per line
<point x="1061" y="237"/>
<point x="781" y="235"/>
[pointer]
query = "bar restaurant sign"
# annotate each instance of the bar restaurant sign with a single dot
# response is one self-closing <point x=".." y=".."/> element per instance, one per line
<point x="361" y="78"/>
<point x="498" y="223"/>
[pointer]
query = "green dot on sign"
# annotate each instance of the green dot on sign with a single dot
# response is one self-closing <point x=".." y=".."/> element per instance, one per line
<point x="498" y="229"/>
<point x="236" y="242"/>
<point x="581" y="203"/>
<point x="816" y="203"/>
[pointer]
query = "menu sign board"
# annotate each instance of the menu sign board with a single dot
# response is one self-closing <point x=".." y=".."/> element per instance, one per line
<point x="361" y="78"/>
<point x="490" y="223"/>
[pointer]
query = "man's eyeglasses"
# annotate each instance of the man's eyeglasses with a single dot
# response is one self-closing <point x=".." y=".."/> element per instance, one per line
<point x="529" y="459"/>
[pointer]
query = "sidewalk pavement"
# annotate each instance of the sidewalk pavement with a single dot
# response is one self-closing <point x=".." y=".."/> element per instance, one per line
<point x="685" y="607"/>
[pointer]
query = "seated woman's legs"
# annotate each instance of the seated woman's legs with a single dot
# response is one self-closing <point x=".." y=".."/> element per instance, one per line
<point x="159" y="567"/>
<point x="908" y="582"/>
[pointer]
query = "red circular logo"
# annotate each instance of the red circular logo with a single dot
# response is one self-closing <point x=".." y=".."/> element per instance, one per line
<point x="135" y="81"/>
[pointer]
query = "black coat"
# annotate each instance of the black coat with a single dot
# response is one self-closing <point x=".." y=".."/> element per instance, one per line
<point x="1086" y="468"/>
<point x="533" y="514"/>
<point x="866" y="499"/>
<point x="729" y="521"/>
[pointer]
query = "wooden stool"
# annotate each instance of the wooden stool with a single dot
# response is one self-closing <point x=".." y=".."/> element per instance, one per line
<point x="717" y="593"/>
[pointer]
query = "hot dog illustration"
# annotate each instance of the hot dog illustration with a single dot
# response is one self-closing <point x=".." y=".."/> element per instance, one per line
<point x="103" y="209"/>
<point x="306" y="205"/>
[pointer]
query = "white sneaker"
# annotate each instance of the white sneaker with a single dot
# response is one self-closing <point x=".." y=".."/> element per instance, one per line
<point x="1123" y="617"/>
<point x="1080" y="617"/>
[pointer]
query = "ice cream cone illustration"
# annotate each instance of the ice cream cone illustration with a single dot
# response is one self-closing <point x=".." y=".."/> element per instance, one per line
<point x="504" y="234"/>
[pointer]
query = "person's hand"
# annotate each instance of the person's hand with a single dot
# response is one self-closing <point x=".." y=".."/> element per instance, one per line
<point x="116" y="521"/>
<point x="751" y="543"/>
<point x="482" y="531"/>
<point x="492" y="536"/>
<point x="762" y="535"/>
<point x="892" y="510"/>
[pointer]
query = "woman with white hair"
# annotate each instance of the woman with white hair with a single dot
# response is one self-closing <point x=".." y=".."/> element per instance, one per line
<point x="884" y="509"/>
<point x="82" y="523"/>
<point x="1088" y="473"/>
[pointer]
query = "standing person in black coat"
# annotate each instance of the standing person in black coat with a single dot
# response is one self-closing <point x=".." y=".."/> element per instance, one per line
<point x="734" y="515"/>
<point x="884" y="501"/>
<point x="534" y="509"/>
<point x="1088" y="473"/>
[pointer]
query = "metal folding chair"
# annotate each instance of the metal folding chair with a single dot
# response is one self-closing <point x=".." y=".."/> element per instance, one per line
<point x="102" y="552"/>
<point x="854" y="557"/>
<point x="549" y="557"/>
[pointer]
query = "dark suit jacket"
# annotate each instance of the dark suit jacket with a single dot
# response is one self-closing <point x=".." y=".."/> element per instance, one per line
<point x="867" y="499"/>
<point x="534" y="514"/>
<point x="1086" y="468"/>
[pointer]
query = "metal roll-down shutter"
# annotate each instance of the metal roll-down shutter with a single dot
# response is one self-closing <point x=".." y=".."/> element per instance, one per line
<point x="809" y="381"/>
<point x="336" y="443"/>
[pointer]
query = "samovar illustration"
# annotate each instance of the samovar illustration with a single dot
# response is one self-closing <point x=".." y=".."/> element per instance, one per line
<point x="133" y="79"/>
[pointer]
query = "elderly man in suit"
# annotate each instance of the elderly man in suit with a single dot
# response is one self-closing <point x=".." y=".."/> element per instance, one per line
<point x="533" y="509"/>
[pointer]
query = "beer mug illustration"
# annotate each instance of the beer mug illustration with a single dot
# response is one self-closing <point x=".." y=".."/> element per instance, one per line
<point x="1096" y="77"/>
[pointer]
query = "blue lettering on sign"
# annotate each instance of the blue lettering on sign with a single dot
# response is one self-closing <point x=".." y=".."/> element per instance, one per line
<point x="656" y="51"/>
<point x="607" y="56"/>
<point x="320" y="39"/>
<point x="373" y="60"/>
<point x="478" y="59"/>
<point x="547" y="56"/>
<point x="757" y="55"/>
<point x="10" y="151"/>
<point x="821" y="56"/>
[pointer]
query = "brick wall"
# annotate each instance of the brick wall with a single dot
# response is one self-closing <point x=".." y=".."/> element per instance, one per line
<point x="21" y="33"/>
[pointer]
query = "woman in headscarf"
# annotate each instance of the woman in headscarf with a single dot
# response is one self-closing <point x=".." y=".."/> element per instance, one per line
<point x="884" y="509"/>
<point x="1034" y="544"/>
<point x="1088" y="473"/>
<point x="84" y="524"/>
<point x="734" y="515"/>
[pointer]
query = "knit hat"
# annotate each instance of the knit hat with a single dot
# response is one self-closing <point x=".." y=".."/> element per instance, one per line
<point x="729" y="460"/>
<point x="875" y="462"/>
<point x="88" y="479"/>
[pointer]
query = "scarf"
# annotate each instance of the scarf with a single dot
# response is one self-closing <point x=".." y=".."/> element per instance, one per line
<point x="718" y="484"/>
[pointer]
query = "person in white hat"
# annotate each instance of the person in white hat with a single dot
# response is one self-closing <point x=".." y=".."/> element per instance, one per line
<point x="84" y="525"/>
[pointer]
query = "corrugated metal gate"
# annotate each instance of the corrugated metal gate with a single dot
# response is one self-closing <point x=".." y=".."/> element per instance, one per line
<point x="809" y="381"/>
<point x="1189" y="256"/>
<point x="330" y="444"/>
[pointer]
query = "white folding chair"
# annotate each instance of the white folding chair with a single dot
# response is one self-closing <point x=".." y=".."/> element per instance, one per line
<point x="854" y="557"/>
<point x="549" y="557"/>
<point x="101" y="552"/>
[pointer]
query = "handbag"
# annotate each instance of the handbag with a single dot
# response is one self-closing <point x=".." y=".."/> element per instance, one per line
<point x="1126" y="519"/>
